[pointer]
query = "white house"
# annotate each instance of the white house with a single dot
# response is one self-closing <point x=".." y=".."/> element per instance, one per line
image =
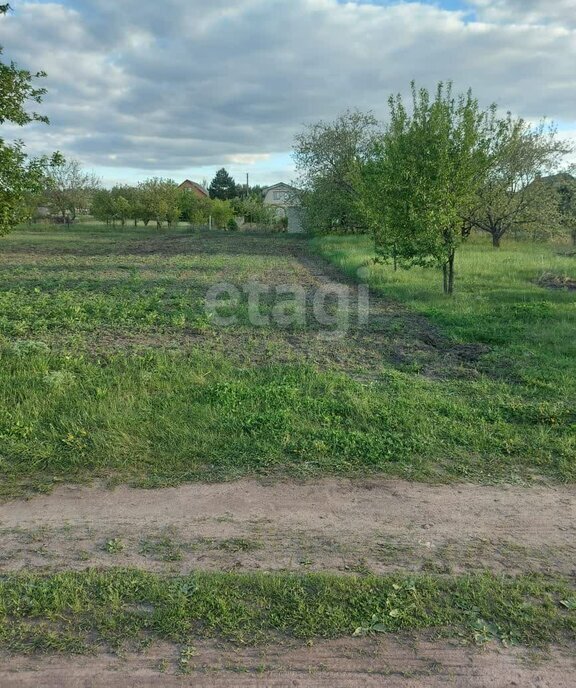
<point x="285" y="199"/>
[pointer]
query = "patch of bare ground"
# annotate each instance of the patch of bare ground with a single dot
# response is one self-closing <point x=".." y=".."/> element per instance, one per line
<point x="394" y="662"/>
<point x="556" y="282"/>
<point x="344" y="526"/>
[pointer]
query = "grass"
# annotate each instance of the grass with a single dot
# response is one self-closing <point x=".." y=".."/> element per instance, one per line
<point x="497" y="302"/>
<point x="79" y="399"/>
<point x="111" y="368"/>
<point x="74" y="612"/>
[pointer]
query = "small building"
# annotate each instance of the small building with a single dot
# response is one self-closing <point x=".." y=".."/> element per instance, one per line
<point x="196" y="188"/>
<point x="285" y="199"/>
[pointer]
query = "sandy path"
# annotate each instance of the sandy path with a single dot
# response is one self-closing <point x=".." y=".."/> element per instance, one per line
<point x="338" y="525"/>
<point x="347" y="663"/>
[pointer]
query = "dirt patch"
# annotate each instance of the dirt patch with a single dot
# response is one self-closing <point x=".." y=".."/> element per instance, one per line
<point x="343" y="526"/>
<point x="381" y="661"/>
<point x="551" y="281"/>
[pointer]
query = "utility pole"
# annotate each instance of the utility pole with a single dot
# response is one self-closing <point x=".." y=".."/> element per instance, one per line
<point x="247" y="185"/>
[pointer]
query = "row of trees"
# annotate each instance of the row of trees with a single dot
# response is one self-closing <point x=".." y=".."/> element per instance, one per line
<point x="65" y="189"/>
<point x="68" y="189"/>
<point x="160" y="200"/>
<point x="438" y="170"/>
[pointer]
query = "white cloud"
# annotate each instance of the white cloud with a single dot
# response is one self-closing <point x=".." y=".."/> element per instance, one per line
<point x="562" y="12"/>
<point x="185" y="83"/>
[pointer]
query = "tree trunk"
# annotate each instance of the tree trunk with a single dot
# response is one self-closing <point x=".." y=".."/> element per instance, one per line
<point x="448" y="274"/>
<point x="496" y="240"/>
<point x="451" y="273"/>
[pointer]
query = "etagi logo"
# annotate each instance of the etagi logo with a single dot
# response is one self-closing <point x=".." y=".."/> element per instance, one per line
<point x="331" y="308"/>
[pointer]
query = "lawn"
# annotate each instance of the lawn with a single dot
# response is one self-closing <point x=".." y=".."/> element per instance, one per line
<point x="111" y="366"/>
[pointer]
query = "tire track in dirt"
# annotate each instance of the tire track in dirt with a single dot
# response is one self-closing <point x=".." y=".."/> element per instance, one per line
<point x="346" y="663"/>
<point x="338" y="525"/>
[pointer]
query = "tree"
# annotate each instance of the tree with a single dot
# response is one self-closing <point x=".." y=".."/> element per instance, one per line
<point x="20" y="177"/>
<point x="328" y="156"/>
<point x="253" y="210"/>
<point x="567" y="205"/>
<point x="221" y="212"/>
<point x="121" y="208"/>
<point x="194" y="209"/>
<point x="423" y="174"/>
<point x="102" y="206"/>
<point x="511" y="197"/>
<point x="562" y="189"/>
<point x="159" y="200"/>
<point x="69" y="189"/>
<point x="222" y="186"/>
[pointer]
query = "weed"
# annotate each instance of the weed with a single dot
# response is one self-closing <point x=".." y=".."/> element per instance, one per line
<point x="114" y="546"/>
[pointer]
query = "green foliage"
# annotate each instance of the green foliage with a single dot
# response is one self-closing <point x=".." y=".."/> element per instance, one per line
<point x="563" y="188"/>
<point x="69" y="189"/>
<point x="253" y="210"/>
<point x="423" y="174"/>
<point x="194" y="209"/>
<point x="20" y="176"/>
<point x="75" y="611"/>
<point x="221" y="212"/>
<point x="159" y="200"/>
<point x="196" y="402"/>
<point x="328" y="156"/>
<point x="222" y="186"/>
<point x="512" y="196"/>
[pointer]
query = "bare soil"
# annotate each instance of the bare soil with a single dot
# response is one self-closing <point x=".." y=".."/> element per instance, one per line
<point x="333" y="525"/>
<point x="369" y="662"/>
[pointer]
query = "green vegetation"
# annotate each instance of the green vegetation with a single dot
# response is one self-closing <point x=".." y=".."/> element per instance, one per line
<point x="72" y="612"/>
<point x="419" y="184"/>
<point x="111" y="368"/>
<point x="20" y="175"/>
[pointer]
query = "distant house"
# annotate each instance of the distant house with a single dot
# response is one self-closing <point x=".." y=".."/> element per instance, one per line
<point x="285" y="199"/>
<point x="198" y="189"/>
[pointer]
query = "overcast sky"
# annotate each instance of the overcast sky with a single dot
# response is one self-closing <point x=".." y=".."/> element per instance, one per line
<point x="180" y="88"/>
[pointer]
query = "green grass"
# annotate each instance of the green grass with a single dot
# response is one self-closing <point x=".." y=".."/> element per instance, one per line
<point x="75" y="612"/>
<point x="497" y="301"/>
<point x="102" y="375"/>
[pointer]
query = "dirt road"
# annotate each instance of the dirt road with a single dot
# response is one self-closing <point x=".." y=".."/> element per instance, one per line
<point x="328" y="525"/>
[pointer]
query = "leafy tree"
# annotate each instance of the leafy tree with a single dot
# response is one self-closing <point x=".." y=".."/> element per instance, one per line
<point x="328" y="156"/>
<point x="69" y="189"/>
<point x="423" y="175"/>
<point x="194" y="209"/>
<point x="222" y="186"/>
<point x="562" y="187"/>
<point x="102" y="206"/>
<point x="20" y="177"/>
<point x="159" y="201"/>
<point x="253" y="210"/>
<point x="511" y="196"/>
<point x="122" y="208"/>
<point x="221" y="212"/>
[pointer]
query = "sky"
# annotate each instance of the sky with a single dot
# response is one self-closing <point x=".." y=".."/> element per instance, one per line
<point x="180" y="88"/>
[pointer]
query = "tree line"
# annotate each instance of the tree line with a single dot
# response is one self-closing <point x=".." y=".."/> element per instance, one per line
<point x="63" y="188"/>
<point x="66" y="189"/>
<point x="441" y="167"/>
